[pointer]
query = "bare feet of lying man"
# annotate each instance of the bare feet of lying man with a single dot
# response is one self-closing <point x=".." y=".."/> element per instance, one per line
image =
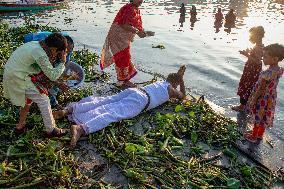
<point x="56" y="132"/>
<point x="76" y="132"/>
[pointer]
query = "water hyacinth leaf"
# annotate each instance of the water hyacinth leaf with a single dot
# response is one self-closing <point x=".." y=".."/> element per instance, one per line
<point x="134" y="148"/>
<point x="179" y="108"/>
<point x="233" y="183"/>
<point x="194" y="136"/>
<point x="230" y="153"/>
<point x="169" y="116"/>
<point x="130" y="148"/>
<point x="177" y="141"/>
<point x="132" y="173"/>
<point x="191" y="114"/>
<point x="246" y="171"/>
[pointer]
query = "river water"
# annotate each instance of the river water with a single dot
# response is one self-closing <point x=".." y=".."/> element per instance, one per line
<point x="213" y="63"/>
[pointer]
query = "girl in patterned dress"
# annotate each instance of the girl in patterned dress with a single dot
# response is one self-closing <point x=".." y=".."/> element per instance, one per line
<point x="252" y="67"/>
<point x="262" y="102"/>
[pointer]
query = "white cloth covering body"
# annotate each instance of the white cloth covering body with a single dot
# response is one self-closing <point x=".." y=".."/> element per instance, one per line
<point x="95" y="113"/>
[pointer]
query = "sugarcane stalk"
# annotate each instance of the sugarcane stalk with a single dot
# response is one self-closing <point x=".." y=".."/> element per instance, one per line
<point x="21" y="154"/>
<point x="35" y="182"/>
<point x="110" y="141"/>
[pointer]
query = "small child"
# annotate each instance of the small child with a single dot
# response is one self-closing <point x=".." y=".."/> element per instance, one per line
<point x="252" y="67"/>
<point x="262" y="102"/>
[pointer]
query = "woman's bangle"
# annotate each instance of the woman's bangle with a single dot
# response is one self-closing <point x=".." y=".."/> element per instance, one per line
<point x="136" y="30"/>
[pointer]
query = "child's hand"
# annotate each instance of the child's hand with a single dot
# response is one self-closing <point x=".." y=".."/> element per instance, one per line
<point x="245" y="52"/>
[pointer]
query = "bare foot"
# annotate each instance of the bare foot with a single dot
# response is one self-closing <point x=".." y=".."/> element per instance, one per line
<point x="76" y="132"/>
<point x="239" y="108"/>
<point x="126" y="84"/>
<point x="20" y="128"/>
<point x="59" y="114"/>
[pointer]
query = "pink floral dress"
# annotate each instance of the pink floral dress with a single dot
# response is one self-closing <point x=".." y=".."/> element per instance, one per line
<point x="263" y="112"/>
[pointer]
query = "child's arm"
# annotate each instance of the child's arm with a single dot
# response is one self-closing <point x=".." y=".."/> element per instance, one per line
<point x="245" y="52"/>
<point x="256" y="54"/>
<point x="258" y="93"/>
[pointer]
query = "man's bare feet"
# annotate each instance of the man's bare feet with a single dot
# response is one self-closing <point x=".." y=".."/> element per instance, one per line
<point x="239" y="108"/>
<point x="76" y="132"/>
<point x="59" y="114"/>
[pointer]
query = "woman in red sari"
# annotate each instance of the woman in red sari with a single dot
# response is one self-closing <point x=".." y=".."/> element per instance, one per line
<point x="116" y="49"/>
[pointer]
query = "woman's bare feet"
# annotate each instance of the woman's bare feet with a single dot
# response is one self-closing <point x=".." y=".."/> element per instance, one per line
<point x="20" y="128"/>
<point x="59" y="114"/>
<point x="76" y="132"/>
<point x="239" y="108"/>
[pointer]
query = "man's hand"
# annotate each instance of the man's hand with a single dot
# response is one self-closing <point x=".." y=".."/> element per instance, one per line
<point x="181" y="71"/>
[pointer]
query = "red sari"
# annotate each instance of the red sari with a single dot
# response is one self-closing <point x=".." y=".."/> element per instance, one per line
<point x="116" y="48"/>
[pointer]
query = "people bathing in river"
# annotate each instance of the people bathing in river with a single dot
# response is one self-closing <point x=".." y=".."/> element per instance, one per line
<point x="29" y="59"/>
<point x="116" y="49"/>
<point x="218" y="20"/>
<point x="252" y="67"/>
<point x="193" y="12"/>
<point x="193" y="18"/>
<point x="182" y="9"/>
<point x="95" y="113"/>
<point x="219" y="16"/>
<point x="182" y="15"/>
<point x="230" y="19"/>
<point x="262" y="102"/>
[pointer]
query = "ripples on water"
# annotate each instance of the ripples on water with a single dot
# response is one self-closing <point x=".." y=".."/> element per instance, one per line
<point x="214" y="65"/>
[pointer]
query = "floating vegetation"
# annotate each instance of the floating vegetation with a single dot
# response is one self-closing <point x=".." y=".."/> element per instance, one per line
<point x="160" y="46"/>
<point x="169" y="147"/>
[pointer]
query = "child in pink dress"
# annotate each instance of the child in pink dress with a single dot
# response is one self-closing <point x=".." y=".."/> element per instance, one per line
<point x="262" y="102"/>
<point x="252" y="67"/>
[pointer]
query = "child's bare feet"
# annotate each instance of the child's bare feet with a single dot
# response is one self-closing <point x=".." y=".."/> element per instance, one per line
<point x="239" y="108"/>
<point x="76" y="132"/>
<point x="59" y="114"/>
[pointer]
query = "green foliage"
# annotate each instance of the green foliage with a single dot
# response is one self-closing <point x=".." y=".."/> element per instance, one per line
<point x="233" y="183"/>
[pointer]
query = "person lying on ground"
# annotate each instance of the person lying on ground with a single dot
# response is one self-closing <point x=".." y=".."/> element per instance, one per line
<point x="95" y="113"/>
